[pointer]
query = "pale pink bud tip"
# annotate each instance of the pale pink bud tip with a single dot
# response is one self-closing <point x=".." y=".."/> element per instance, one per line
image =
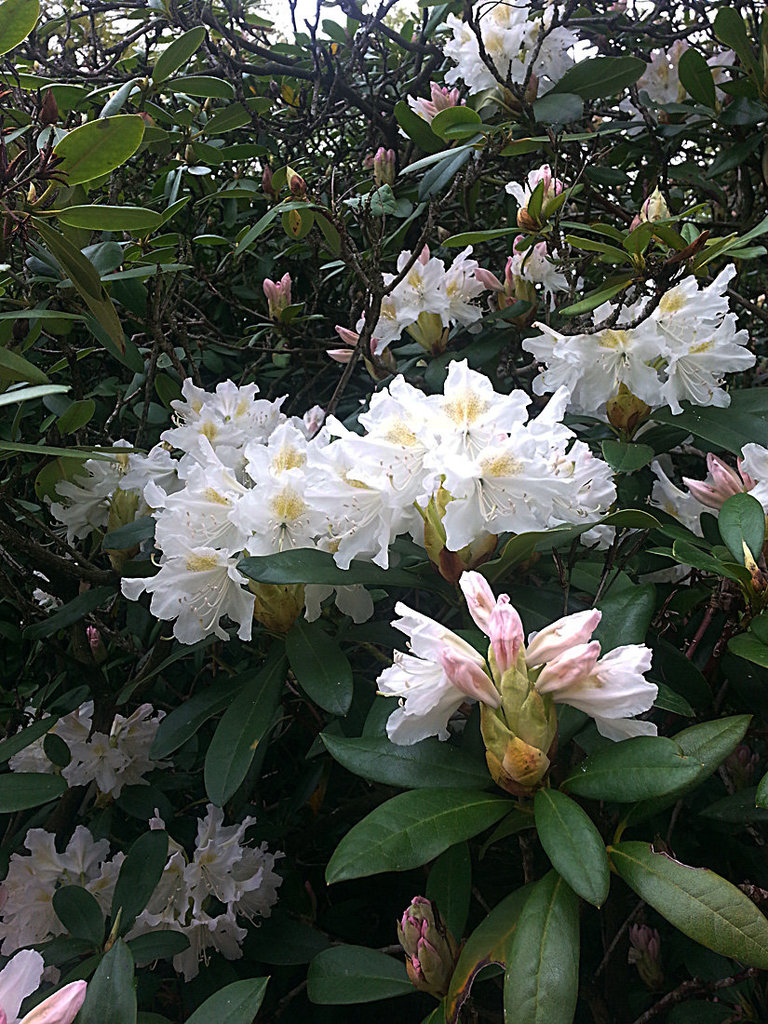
<point x="560" y="636"/>
<point x="506" y="632"/>
<point x="479" y="597"/>
<point x="60" y="1008"/>
<point x="470" y="678"/>
<point x="339" y="355"/>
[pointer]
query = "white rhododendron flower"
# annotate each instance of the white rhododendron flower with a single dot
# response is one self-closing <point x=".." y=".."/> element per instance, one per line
<point x="87" y="496"/>
<point x="680" y="352"/>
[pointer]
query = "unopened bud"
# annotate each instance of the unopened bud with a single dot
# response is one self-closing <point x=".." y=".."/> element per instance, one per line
<point x="278" y="295"/>
<point x="431" y="951"/>
<point x="626" y="411"/>
<point x="384" y="166"/>
<point x="98" y="650"/>
<point x="49" y="111"/>
<point x="654" y="208"/>
<point x="296" y="184"/>
<point x="266" y="182"/>
<point x="645" y="954"/>
<point x="31" y="193"/>
<point x="741" y="765"/>
<point x="277" y="605"/>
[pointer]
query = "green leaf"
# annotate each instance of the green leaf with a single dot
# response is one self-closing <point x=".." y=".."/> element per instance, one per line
<point x="177" y="54"/>
<point x="558" y="108"/>
<point x="634" y="769"/>
<point x="22" y="739"/>
<point x="139" y="875"/>
<point x="205" y="87"/>
<point x="600" y="76"/>
<point x="17" y="19"/>
<point x="29" y="394"/>
<point x="476" y="237"/>
<point x="699" y="903"/>
<point x="452" y="116"/>
<point x="573" y="845"/>
<point x="429" y="764"/>
<point x="86" y="280"/>
<point x="76" y="416"/>
<point x="157" y="945"/>
<point x="343" y="975"/>
<point x="761" y="796"/>
<point x="321" y="668"/>
<point x="626" y="458"/>
<point x="110" y="997"/>
<point x="730" y="30"/>
<point x="741" y="521"/>
<point x="689" y="554"/>
<point x="541" y="983"/>
<point x="244" y="725"/>
<point x="22" y="790"/>
<point x="747" y="646"/>
<point x="596" y="298"/>
<point x="129" y="535"/>
<point x="449" y="885"/>
<point x="110" y="218"/>
<point x="70" y="613"/>
<point x="696" y="77"/>
<point x="417" y="128"/>
<point x="237" y="1003"/>
<point x="80" y="914"/>
<point x="99" y="146"/>
<point x="627" y="613"/>
<point x="488" y="944"/>
<point x="184" y="721"/>
<point x="411" y="829"/>
<point x="16" y="368"/>
<point x="744" y="420"/>
<point x="227" y="119"/>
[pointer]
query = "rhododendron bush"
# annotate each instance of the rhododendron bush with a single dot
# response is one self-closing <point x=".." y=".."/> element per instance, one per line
<point x="384" y="439"/>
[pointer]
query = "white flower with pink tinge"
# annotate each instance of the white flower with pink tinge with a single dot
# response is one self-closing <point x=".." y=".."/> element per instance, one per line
<point x="21" y="977"/>
<point x="442" y="99"/>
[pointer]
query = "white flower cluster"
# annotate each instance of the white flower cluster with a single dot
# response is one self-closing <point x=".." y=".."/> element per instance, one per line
<point x="678" y="353"/>
<point x="253" y="483"/>
<point x="509" y="37"/>
<point x="222" y="872"/>
<point x="661" y="78"/>
<point x="110" y="761"/>
<point x="27" y="916"/>
<point x="708" y="495"/>
<point x="428" y="300"/>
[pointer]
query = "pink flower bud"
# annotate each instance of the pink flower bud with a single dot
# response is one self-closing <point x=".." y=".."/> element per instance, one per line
<point x="278" y="295"/>
<point x="469" y="677"/>
<point x="384" y="171"/>
<point x="506" y="632"/>
<point x="488" y="280"/>
<point x="479" y="597"/>
<point x="348" y="337"/>
<point x="442" y="97"/>
<point x="60" y="1008"/>
<point x="424" y="256"/>
<point x="560" y="636"/>
<point x="339" y="355"/>
<point x="721" y="483"/>
<point x="568" y="668"/>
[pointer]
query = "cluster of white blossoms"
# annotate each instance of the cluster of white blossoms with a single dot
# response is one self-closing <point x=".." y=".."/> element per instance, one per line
<point x="428" y="300"/>
<point x="661" y="78"/>
<point x="252" y="482"/>
<point x="510" y="33"/>
<point x="443" y="671"/>
<point x="202" y="897"/>
<point x="111" y="761"/>
<point x="27" y="916"/>
<point x="708" y="495"/>
<point x="679" y="352"/>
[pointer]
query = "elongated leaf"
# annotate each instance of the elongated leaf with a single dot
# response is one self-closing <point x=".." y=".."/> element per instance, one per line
<point x="417" y="128"/>
<point x="355" y="974"/>
<point x="627" y="613"/>
<point x="541" y="983"/>
<point x="744" y="420"/>
<point x="449" y="885"/>
<point x="488" y="944"/>
<point x="699" y="903"/>
<point x="17" y="19"/>
<point x="411" y="829"/>
<point x="99" y="146"/>
<point x="573" y="845"/>
<point x="21" y="790"/>
<point x="243" y="726"/>
<point x="139" y="874"/>
<point x="747" y="646"/>
<point x="184" y="721"/>
<point x="110" y="218"/>
<point x="16" y="368"/>
<point x="157" y="945"/>
<point x="80" y="914"/>
<point x="452" y="116"/>
<point x="128" y="536"/>
<point x="596" y="298"/>
<point x="23" y="739"/>
<point x="476" y="237"/>
<point x="696" y="77"/>
<point x="110" y="997"/>
<point x="70" y="613"/>
<point x="741" y="521"/>
<point x="177" y="54"/>
<point x="237" y="1003"/>
<point x="205" y="87"/>
<point x="730" y="29"/>
<point x="600" y="76"/>
<point x="27" y="394"/>
<point x="321" y="668"/>
<point x="76" y="416"/>
<point x="635" y="769"/>
<point x="429" y="764"/>
<point x="558" y="108"/>
<point x="761" y="796"/>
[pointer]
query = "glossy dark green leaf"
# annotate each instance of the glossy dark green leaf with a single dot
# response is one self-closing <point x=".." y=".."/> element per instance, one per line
<point x="730" y="29"/>
<point x="696" y="77"/>
<point x="597" y="77"/>
<point x="417" y="128"/>
<point x="743" y="421"/>
<point x="699" y="903"/>
<point x="14" y="367"/>
<point x="741" y="521"/>
<point x="541" y="983"/>
<point x="429" y="764"/>
<point x="411" y="829"/>
<point x="452" y="116"/>
<point x="22" y="739"/>
<point x="449" y="885"/>
<point x="17" y="19"/>
<point x="627" y="613"/>
<point x="99" y="146"/>
<point x="626" y="458"/>
<point x="558" y="108"/>
<point x="128" y="536"/>
<point x="111" y="997"/>
<point x="343" y="975"/>
<point x="80" y="914"/>
<point x="237" y="1003"/>
<point x="177" y="54"/>
<point x="205" y="87"/>
<point x="110" y="218"/>
<point x="761" y="796"/>
<point x="70" y="613"/>
<point x="636" y="769"/>
<point x="573" y="845"/>
<point x="243" y="726"/>
<point x="22" y="790"/>
<point x="689" y="554"/>
<point x="76" y="416"/>
<point x="596" y="298"/>
<point x="157" y="945"/>
<point x="321" y="668"/>
<point x="139" y="874"/>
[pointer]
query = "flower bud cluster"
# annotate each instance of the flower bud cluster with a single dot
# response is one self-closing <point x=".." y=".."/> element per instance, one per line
<point x="430" y="949"/>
